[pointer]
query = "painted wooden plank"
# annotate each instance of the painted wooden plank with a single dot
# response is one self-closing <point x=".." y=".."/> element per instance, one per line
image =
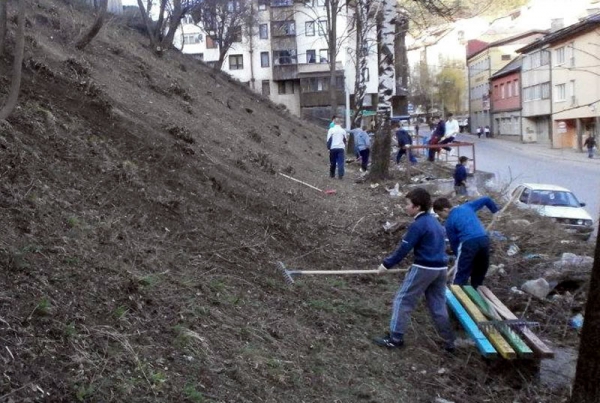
<point x="483" y="345"/>
<point x="511" y="336"/>
<point x="537" y="345"/>
<point x="504" y="349"/>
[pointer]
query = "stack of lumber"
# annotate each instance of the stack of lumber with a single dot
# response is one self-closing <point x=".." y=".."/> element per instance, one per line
<point x="485" y="318"/>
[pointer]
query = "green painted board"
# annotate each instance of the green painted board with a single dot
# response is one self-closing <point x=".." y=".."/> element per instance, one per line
<point x="483" y="344"/>
<point x="513" y="338"/>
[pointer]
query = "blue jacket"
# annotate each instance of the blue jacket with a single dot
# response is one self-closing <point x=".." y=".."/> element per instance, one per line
<point x="426" y="236"/>
<point x="463" y="224"/>
<point x="460" y="174"/>
<point x="362" y="141"/>
<point x="403" y="138"/>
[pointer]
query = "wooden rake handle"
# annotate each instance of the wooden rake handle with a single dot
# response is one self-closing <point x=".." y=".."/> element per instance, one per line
<point x="336" y="272"/>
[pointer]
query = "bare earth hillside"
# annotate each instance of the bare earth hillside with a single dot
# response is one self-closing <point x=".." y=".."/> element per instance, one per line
<point x="142" y="218"/>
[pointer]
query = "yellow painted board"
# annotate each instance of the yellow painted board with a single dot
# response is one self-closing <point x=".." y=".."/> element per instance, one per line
<point x="504" y="349"/>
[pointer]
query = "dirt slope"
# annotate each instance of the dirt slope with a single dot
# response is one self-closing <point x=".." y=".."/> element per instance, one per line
<point x="143" y="217"/>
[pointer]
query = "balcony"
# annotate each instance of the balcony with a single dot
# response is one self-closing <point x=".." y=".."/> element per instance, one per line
<point x="285" y="72"/>
<point x="314" y="69"/>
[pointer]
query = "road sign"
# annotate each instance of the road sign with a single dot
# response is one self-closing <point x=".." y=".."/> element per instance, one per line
<point x="411" y="108"/>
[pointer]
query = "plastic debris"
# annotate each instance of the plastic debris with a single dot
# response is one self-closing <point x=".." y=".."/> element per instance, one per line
<point x="497" y="235"/>
<point x="512" y="250"/>
<point x="516" y="291"/>
<point x="395" y="192"/>
<point x="571" y="259"/>
<point x="576" y="322"/>
<point x="538" y="288"/>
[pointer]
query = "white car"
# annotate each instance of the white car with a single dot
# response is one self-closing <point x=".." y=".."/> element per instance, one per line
<point x="556" y="202"/>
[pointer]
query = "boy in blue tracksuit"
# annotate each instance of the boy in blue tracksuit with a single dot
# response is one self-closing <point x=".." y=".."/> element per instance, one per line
<point x="460" y="177"/>
<point x="427" y="275"/>
<point x="467" y="236"/>
<point x="362" y="143"/>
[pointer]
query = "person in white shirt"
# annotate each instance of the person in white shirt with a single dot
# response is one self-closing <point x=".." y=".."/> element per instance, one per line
<point x="336" y="143"/>
<point x="452" y="130"/>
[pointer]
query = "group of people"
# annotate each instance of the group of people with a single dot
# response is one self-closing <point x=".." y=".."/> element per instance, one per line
<point x="483" y="130"/>
<point x="337" y="139"/>
<point x="429" y="272"/>
<point x="445" y="132"/>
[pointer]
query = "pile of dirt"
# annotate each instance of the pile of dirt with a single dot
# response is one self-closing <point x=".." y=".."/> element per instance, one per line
<point x="144" y="217"/>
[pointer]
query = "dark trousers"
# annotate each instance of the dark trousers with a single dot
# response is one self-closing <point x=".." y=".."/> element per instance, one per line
<point x="401" y="152"/>
<point x="473" y="261"/>
<point x="336" y="157"/>
<point x="364" y="158"/>
<point x="446" y="141"/>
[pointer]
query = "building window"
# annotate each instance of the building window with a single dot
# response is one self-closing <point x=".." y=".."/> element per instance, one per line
<point x="324" y="56"/>
<point x="315" y="84"/>
<point x="561" y="92"/>
<point x="264" y="59"/>
<point x="320" y="3"/>
<point x="571" y="54"/>
<point x="322" y="27"/>
<point x="505" y="57"/>
<point x="571" y="91"/>
<point x="282" y="3"/>
<point x="502" y="91"/>
<point x="560" y="55"/>
<point x="190" y="39"/>
<point x="516" y="84"/>
<point x="365" y="74"/>
<point x="237" y="34"/>
<point x="262" y="5"/>
<point x="236" y="62"/>
<point x="284" y="57"/>
<point x="263" y="31"/>
<point x="266" y="88"/>
<point x="509" y="89"/>
<point x="285" y="87"/>
<point x="284" y="28"/>
<point x="545" y="90"/>
<point x="210" y="43"/>
<point x="339" y="83"/>
<point x="311" y="56"/>
<point x="310" y="28"/>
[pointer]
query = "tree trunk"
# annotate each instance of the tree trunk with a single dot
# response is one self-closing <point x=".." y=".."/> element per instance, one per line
<point x="95" y="28"/>
<point x="176" y="15"/>
<point x="383" y="140"/>
<point x="332" y="6"/>
<point x="586" y="388"/>
<point x="15" y="85"/>
<point x="147" y="21"/>
<point x="360" y="85"/>
<point x="400" y="101"/>
<point x="3" y="24"/>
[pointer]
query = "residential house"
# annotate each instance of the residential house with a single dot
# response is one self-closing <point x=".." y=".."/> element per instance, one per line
<point x="436" y="47"/>
<point x="506" y="100"/>
<point x="287" y="58"/>
<point x="572" y="62"/>
<point x="483" y="61"/>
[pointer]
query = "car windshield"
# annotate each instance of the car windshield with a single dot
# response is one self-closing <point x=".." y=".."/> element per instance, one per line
<point x="553" y="198"/>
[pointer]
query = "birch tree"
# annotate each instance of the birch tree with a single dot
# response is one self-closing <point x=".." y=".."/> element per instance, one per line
<point x="15" y="84"/>
<point x="386" y="30"/>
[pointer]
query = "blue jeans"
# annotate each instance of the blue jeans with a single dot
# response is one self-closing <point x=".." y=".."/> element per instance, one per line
<point x="473" y="261"/>
<point x="364" y="158"/>
<point x="401" y="152"/>
<point x="590" y="152"/>
<point x="431" y="283"/>
<point x="336" y="157"/>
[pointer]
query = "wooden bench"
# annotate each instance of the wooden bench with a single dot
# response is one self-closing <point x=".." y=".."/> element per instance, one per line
<point x="473" y="308"/>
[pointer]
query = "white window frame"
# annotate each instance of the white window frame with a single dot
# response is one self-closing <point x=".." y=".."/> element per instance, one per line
<point x="560" y="93"/>
<point x="309" y="31"/>
<point x="560" y="55"/>
<point x="265" y="32"/>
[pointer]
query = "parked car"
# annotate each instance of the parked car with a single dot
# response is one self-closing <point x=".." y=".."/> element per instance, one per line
<point x="555" y="202"/>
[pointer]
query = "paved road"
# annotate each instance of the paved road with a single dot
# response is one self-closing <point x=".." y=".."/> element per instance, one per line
<point x="515" y="163"/>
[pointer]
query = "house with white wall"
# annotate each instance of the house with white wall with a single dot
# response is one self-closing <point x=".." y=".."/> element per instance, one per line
<point x="287" y="57"/>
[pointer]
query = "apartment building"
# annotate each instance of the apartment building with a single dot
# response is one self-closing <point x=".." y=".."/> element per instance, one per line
<point x="483" y="61"/>
<point x="287" y="57"/>
<point x="506" y="100"/>
<point x="569" y="83"/>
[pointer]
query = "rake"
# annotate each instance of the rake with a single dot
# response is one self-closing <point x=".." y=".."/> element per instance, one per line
<point x="509" y="324"/>
<point x="288" y="275"/>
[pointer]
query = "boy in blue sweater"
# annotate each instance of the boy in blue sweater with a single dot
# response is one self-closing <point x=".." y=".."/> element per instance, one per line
<point x="427" y="275"/>
<point x="468" y="239"/>
<point x="460" y="177"/>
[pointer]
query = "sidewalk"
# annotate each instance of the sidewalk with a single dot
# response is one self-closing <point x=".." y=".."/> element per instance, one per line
<point x="540" y="149"/>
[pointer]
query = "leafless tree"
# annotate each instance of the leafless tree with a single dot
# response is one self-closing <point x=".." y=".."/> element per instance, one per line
<point x="95" y="28"/>
<point x="3" y="21"/>
<point x="223" y="21"/>
<point x="15" y="85"/>
<point x="171" y="12"/>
